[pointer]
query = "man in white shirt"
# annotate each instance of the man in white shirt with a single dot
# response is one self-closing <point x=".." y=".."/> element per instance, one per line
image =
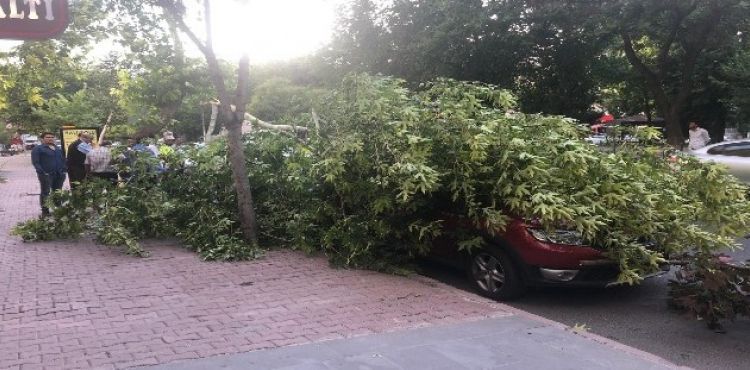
<point x="698" y="137"/>
<point x="98" y="162"/>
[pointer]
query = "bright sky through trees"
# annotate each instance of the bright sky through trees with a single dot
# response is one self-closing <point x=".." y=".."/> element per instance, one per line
<point x="268" y="30"/>
<point x="272" y="30"/>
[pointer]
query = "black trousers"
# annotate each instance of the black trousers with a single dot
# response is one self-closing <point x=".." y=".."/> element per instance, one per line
<point x="76" y="175"/>
<point x="47" y="184"/>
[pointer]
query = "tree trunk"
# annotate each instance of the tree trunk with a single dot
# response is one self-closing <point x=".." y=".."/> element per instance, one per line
<point x="237" y="153"/>
<point x="673" y="125"/>
<point x="717" y="128"/>
<point x="241" y="182"/>
<point x="233" y="119"/>
<point x="212" y="122"/>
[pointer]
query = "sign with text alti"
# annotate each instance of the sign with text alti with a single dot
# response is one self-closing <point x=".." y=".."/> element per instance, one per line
<point x="32" y="19"/>
<point x="69" y="134"/>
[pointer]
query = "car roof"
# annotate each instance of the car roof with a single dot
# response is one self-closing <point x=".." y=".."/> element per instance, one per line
<point x="707" y="147"/>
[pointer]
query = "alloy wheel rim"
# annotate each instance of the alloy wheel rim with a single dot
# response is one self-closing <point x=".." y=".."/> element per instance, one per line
<point x="488" y="272"/>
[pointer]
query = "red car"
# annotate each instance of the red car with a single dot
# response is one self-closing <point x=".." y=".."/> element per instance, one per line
<point x="524" y="256"/>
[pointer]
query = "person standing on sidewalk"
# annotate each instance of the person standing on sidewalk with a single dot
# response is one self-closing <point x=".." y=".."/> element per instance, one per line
<point x="50" y="168"/>
<point x="98" y="163"/>
<point x="698" y="136"/>
<point x="77" y="151"/>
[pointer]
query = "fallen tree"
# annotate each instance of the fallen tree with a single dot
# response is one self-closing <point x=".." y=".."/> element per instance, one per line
<point x="372" y="188"/>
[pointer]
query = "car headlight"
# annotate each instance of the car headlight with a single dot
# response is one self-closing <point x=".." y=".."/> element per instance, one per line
<point x="567" y="237"/>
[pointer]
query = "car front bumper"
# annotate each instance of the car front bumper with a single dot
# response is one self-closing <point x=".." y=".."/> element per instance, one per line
<point x="596" y="275"/>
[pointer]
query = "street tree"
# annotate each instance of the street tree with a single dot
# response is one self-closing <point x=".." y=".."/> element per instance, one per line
<point x="232" y="107"/>
<point x="664" y="41"/>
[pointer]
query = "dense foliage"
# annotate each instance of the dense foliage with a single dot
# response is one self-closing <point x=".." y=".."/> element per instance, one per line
<point x="393" y="162"/>
<point x="197" y="209"/>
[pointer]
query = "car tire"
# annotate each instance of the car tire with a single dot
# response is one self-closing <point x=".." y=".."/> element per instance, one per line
<point x="494" y="275"/>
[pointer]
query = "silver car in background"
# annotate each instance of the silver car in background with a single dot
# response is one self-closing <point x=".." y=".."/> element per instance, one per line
<point x="733" y="154"/>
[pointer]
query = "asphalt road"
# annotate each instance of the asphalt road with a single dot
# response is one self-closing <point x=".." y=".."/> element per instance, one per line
<point x="637" y="316"/>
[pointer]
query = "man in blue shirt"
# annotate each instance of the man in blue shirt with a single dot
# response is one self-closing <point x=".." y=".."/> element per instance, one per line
<point x="50" y="168"/>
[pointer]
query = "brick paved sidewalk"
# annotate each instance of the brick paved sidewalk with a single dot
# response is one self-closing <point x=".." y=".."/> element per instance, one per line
<point x="75" y="304"/>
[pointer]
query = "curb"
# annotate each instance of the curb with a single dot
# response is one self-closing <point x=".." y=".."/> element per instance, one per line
<point x="507" y="310"/>
<point x="600" y="339"/>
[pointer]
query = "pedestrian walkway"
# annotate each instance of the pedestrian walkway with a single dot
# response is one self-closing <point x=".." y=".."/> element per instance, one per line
<point x="76" y="304"/>
<point x="510" y="342"/>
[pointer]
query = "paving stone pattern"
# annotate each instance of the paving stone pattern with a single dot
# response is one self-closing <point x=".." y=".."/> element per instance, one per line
<point x="505" y="343"/>
<point x="76" y="304"/>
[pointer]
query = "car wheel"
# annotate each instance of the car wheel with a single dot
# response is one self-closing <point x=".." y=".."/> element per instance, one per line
<point x="495" y="275"/>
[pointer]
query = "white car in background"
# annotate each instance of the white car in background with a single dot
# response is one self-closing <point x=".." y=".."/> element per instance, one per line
<point x="30" y="141"/>
<point x="597" y="139"/>
<point x="734" y="154"/>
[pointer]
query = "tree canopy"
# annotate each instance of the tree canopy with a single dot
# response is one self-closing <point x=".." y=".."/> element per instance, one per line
<point x="559" y="56"/>
<point x="680" y="60"/>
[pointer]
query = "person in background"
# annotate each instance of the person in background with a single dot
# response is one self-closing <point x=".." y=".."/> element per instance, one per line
<point x="16" y="143"/>
<point x="599" y="125"/>
<point x="136" y="144"/>
<point x="606" y="118"/>
<point x="167" y="148"/>
<point x="98" y="162"/>
<point x="50" y="168"/>
<point x="151" y="145"/>
<point x="698" y="136"/>
<point x="166" y="151"/>
<point x="77" y="151"/>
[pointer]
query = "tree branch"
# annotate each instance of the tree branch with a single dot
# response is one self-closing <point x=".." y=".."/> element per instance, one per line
<point x="652" y="79"/>
<point x="177" y="17"/>
<point x="693" y="51"/>
<point x="316" y="120"/>
<point x="213" y="63"/>
<point x="249" y="118"/>
<point x="212" y="122"/>
<point x="679" y="16"/>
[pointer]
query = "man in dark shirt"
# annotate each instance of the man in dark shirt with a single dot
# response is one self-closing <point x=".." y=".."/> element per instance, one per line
<point x="77" y="157"/>
<point x="50" y="168"/>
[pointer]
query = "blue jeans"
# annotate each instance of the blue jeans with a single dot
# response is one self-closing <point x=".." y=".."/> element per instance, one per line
<point x="48" y="183"/>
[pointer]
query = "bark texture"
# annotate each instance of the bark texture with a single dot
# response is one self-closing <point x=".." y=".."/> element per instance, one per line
<point x="233" y="117"/>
